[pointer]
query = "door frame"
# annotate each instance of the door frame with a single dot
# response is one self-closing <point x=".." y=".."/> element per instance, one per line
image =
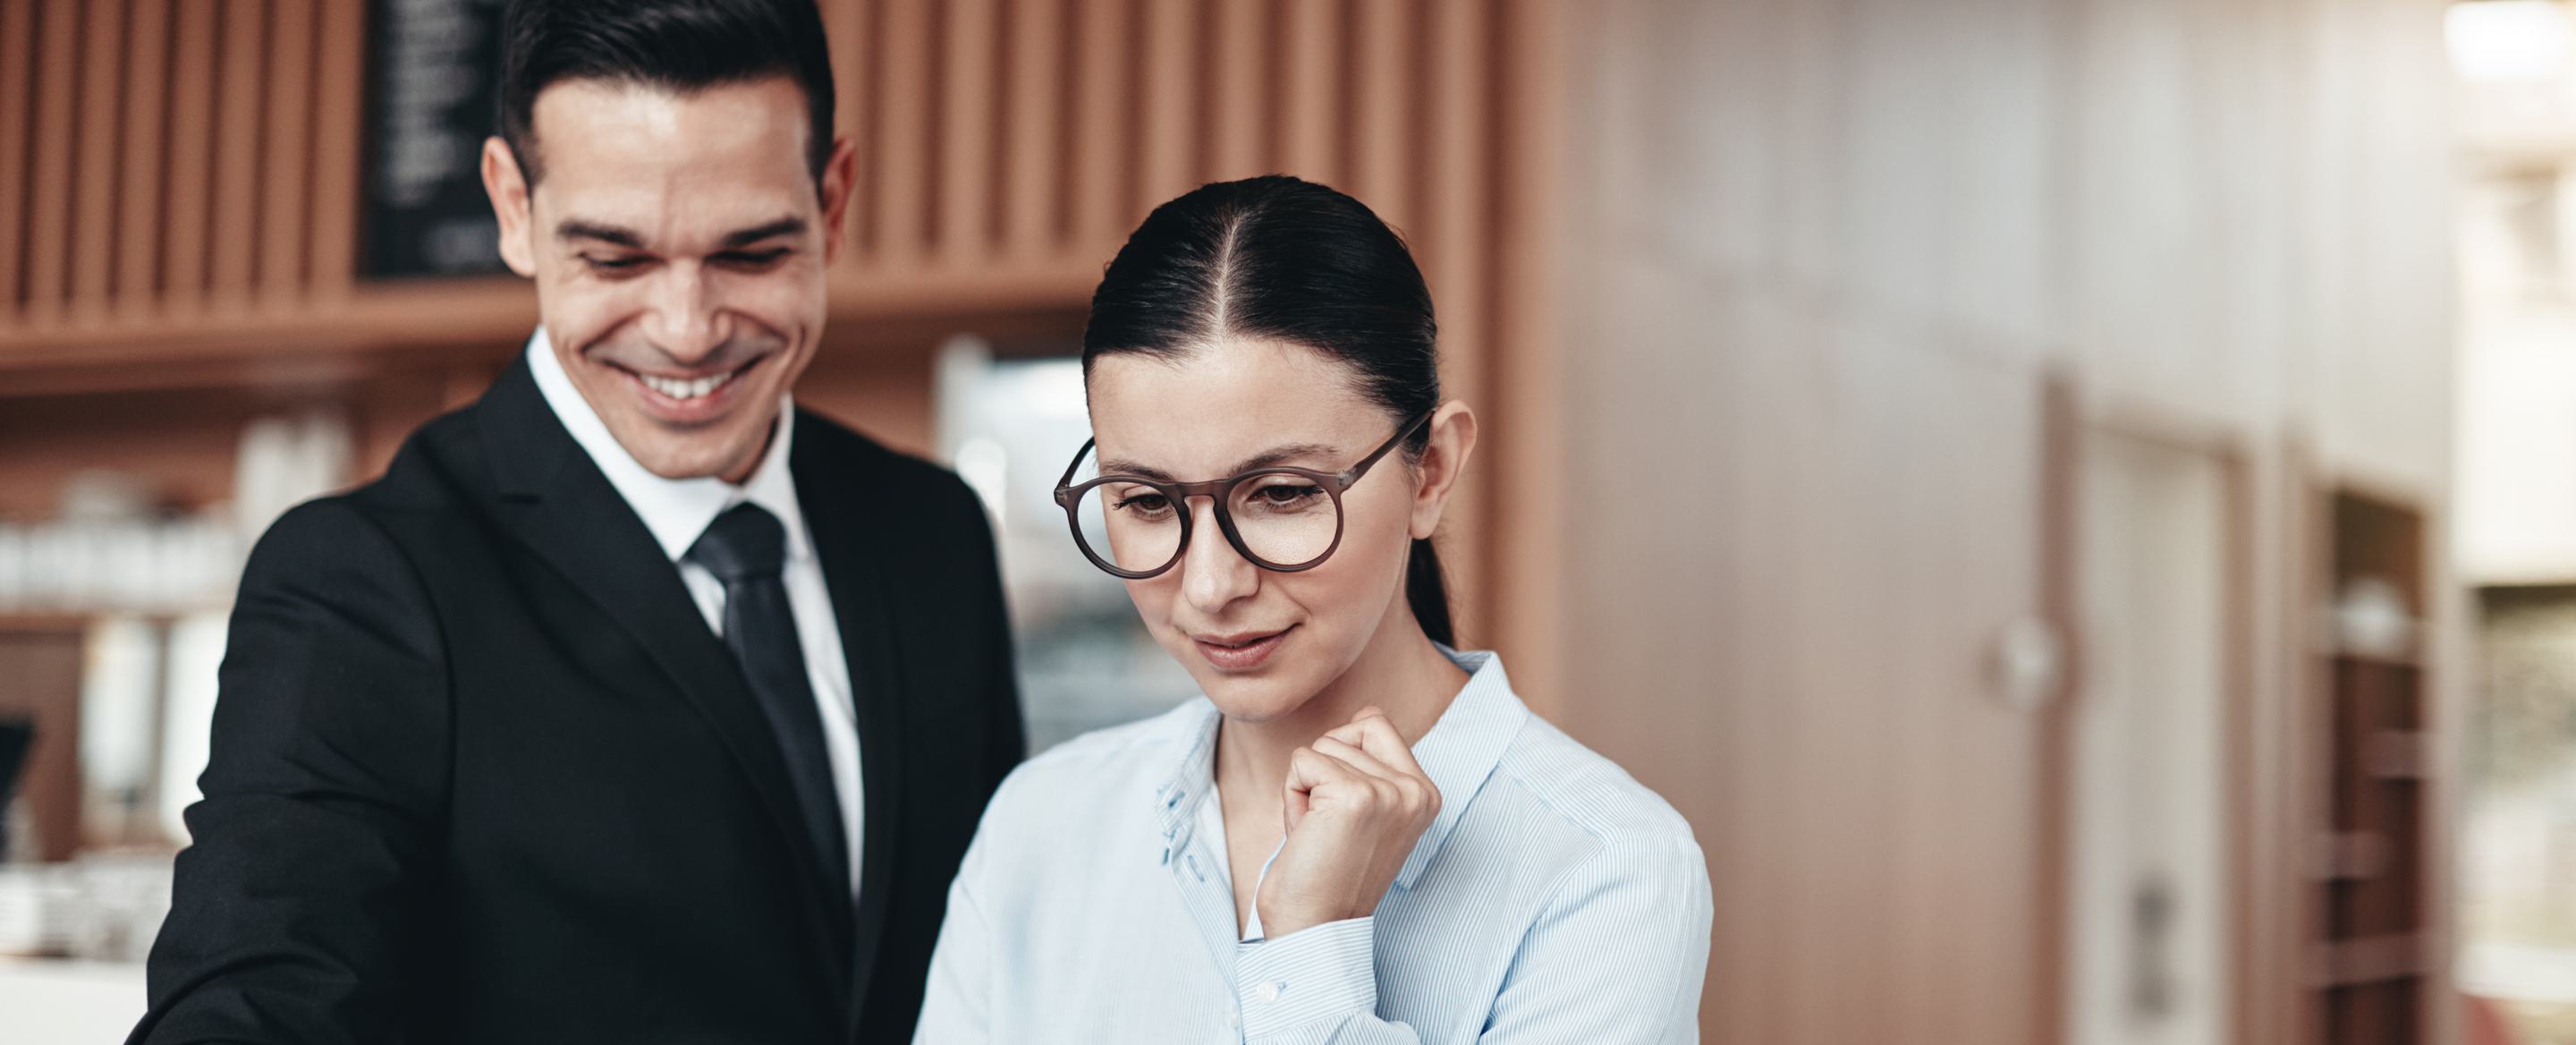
<point x="2071" y="415"/>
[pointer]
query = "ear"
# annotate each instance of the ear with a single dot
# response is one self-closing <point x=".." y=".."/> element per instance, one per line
<point x="1453" y="440"/>
<point x="508" y="188"/>
<point x="840" y="175"/>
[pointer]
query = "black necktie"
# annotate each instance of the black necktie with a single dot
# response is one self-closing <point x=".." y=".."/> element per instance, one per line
<point x="746" y="549"/>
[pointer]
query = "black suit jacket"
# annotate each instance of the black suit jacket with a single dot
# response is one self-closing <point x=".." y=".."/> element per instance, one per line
<point x="482" y="773"/>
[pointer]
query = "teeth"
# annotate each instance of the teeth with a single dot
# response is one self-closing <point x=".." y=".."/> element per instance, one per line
<point x="685" y="390"/>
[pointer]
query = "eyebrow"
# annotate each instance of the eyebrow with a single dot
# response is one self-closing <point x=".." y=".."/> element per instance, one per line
<point x="1265" y="459"/>
<point x="787" y="226"/>
<point x="618" y="235"/>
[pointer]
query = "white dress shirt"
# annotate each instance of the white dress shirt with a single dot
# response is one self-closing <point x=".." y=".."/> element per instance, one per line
<point x="1553" y="900"/>
<point x="678" y="510"/>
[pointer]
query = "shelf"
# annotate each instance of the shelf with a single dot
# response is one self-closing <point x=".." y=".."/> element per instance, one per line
<point x="369" y="328"/>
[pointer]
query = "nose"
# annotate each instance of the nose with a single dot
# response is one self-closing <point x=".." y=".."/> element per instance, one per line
<point x="683" y="317"/>
<point x="1213" y="574"/>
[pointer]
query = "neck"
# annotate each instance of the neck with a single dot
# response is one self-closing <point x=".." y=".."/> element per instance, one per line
<point x="1400" y="673"/>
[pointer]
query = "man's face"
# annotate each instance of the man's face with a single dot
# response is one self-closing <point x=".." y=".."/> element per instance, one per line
<point x="679" y="244"/>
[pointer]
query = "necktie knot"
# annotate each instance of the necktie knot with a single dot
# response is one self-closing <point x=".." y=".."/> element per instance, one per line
<point x="745" y="543"/>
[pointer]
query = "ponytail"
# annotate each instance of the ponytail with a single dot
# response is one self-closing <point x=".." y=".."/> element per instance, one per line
<point x="1427" y="590"/>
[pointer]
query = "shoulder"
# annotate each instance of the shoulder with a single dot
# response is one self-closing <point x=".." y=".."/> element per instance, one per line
<point x="326" y="534"/>
<point x="430" y="496"/>
<point x="328" y="583"/>
<point x="935" y="500"/>
<point x="1586" y="792"/>
<point x="827" y="443"/>
<point x="1609" y="844"/>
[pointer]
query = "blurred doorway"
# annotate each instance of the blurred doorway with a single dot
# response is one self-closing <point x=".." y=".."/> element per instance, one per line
<point x="2147" y="839"/>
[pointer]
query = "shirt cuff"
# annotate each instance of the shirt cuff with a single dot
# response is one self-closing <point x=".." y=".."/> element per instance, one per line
<point x="1315" y="973"/>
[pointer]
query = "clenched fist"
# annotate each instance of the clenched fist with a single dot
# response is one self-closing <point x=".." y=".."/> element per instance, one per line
<point x="1356" y="802"/>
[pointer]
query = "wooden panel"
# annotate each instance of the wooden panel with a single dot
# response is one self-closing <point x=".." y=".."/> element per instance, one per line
<point x="845" y="25"/>
<point x="1517" y="584"/>
<point x="289" y="143"/>
<point x="48" y="259"/>
<point x="1104" y="122"/>
<point x="1451" y="234"/>
<point x="139" y="229"/>
<point x="967" y="132"/>
<point x="1239" y="107"/>
<point x="337" y="143"/>
<point x="1170" y="96"/>
<point x="94" y="222"/>
<point x="192" y="112"/>
<point x="1313" y="81"/>
<point x="237" y="153"/>
<point x="17" y="72"/>
<point x="1032" y="163"/>
<point x="1383" y="92"/>
<point x="903" y="156"/>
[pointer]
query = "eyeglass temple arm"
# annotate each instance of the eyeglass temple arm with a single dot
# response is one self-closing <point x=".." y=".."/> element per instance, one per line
<point x="1352" y="474"/>
<point x="1064" y="485"/>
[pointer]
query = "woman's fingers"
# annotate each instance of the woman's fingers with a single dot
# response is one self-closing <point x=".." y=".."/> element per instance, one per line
<point x="1410" y="794"/>
<point x="1378" y="737"/>
<point x="1371" y="732"/>
<point x="1309" y="769"/>
<point x="1356" y="757"/>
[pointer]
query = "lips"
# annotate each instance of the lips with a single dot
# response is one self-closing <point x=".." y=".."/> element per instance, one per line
<point x="1241" y="651"/>
<point x="687" y="400"/>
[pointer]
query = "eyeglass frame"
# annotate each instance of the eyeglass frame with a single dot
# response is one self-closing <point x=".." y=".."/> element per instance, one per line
<point x="1217" y="491"/>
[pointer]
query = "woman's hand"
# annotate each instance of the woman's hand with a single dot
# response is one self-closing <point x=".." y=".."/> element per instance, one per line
<point x="1356" y="803"/>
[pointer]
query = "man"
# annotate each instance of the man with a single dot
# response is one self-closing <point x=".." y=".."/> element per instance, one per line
<point x="631" y="704"/>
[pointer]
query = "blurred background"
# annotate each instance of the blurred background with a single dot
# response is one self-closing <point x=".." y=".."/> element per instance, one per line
<point x="2075" y="499"/>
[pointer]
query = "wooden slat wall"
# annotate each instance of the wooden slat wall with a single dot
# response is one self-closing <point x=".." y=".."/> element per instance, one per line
<point x="182" y="176"/>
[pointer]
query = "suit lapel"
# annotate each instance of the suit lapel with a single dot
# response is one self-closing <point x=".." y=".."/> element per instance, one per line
<point x="849" y="542"/>
<point x="564" y="508"/>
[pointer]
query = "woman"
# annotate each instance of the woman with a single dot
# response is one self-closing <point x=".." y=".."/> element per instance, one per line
<point x="1359" y="834"/>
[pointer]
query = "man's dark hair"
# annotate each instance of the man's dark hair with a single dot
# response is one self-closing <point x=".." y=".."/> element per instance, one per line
<point x="673" y="45"/>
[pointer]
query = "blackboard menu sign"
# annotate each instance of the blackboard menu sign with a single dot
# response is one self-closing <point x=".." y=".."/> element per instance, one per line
<point x="431" y="68"/>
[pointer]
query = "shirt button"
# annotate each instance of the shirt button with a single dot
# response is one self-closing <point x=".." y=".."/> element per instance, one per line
<point x="1267" y="991"/>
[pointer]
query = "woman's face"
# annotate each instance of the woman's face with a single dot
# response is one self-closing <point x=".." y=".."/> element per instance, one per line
<point x="1260" y="642"/>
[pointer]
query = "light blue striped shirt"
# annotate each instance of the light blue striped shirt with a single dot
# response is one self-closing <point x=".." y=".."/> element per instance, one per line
<point x="1555" y="899"/>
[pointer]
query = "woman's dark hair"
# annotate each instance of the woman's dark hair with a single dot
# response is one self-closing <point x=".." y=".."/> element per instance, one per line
<point x="1286" y="260"/>
<point x="675" y="45"/>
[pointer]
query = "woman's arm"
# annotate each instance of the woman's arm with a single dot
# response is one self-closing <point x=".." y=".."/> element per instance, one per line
<point x="1615" y="957"/>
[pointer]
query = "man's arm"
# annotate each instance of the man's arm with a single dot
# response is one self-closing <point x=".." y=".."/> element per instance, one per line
<point x="296" y="912"/>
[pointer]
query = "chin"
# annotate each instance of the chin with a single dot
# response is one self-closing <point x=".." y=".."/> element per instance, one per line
<point x="692" y="456"/>
<point x="1255" y="699"/>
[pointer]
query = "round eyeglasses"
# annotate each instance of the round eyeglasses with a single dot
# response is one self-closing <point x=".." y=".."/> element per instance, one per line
<point x="1279" y="518"/>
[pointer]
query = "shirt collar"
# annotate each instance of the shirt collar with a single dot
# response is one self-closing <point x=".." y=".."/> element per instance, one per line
<point x="675" y="510"/>
<point x="1458" y="754"/>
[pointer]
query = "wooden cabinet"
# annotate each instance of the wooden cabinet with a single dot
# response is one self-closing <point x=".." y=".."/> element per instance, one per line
<point x="2374" y="949"/>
